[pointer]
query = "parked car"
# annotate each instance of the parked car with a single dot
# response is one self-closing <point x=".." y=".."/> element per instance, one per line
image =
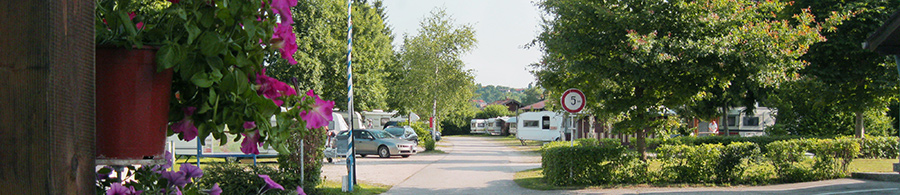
<point x="405" y="133"/>
<point x="376" y="142"/>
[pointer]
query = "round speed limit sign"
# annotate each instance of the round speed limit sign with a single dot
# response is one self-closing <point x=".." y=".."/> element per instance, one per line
<point x="573" y="100"/>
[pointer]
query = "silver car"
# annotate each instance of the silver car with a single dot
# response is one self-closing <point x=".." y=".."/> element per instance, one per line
<point x="376" y="142"/>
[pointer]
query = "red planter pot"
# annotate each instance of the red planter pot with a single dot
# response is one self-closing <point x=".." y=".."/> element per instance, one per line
<point x="132" y="105"/>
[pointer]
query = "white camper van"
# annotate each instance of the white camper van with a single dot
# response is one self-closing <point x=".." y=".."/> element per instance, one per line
<point x="539" y="126"/>
<point x="513" y="125"/>
<point x="495" y="125"/>
<point x="477" y="126"/>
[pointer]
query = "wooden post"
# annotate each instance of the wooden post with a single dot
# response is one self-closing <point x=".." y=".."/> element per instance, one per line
<point x="47" y="97"/>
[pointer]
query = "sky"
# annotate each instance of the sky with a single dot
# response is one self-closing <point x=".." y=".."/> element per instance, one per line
<point x="502" y="29"/>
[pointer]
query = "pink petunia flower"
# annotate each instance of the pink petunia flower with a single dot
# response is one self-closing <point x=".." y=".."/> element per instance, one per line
<point x="250" y="143"/>
<point x="285" y="41"/>
<point x="300" y="191"/>
<point x="118" y="189"/>
<point x="215" y="190"/>
<point x="283" y="9"/>
<point x="270" y="184"/>
<point x="249" y="125"/>
<point x="186" y="126"/>
<point x="139" y="25"/>
<point x="272" y="88"/>
<point x="320" y="113"/>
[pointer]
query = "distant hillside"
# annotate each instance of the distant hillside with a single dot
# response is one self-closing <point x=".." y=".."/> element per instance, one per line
<point x="493" y="93"/>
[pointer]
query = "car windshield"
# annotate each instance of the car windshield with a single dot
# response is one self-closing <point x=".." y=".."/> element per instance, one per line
<point x="395" y="131"/>
<point x="381" y="134"/>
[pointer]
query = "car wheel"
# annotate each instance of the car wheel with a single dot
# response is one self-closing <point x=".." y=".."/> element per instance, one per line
<point x="362" y="155"/>
<point x="404" y="156"/>
<point x="383" y="152"/>
<point x="329" y="160"/>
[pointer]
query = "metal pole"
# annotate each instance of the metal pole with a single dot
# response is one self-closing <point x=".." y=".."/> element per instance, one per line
<point x="302" y="161"/>
<point x="351" y="159"/>
<point x="897" y="166"/>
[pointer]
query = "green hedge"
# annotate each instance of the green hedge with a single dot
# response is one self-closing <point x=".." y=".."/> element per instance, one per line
<point x="879" y="147"/>
<point x="608" y="162"/>
<point x="761" y="141"/>
<point x="706" y="163"/>
<point x="870" y="147"/>
<point x="242" y="179"/>
<point x="590" y="164"/>
<point x="830" y="158"/>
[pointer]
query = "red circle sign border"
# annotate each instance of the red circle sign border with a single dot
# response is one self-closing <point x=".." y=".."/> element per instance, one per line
<point x="563" y="100"/>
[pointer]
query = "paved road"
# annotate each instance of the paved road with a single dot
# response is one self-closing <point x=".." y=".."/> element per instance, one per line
<point x="477" y="165"/>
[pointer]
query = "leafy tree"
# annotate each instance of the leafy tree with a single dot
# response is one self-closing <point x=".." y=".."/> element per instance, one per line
<point x="492" y="111"/>
<point x="636" y="59"/>
<point x="849" y="79"/>
<point x="493" y="93"/>
<point x="432" y="78"/>
<point x="533" y="95"/>
<point x="801" y="110"/>
<point x="322" y="52"/>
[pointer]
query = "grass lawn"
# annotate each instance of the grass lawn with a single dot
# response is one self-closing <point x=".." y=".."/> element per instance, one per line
<point x="333" y="187"/>
<point x="872" y="165"/>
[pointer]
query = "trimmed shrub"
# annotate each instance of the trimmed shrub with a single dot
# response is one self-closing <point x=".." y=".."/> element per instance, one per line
<point x="831" y="158"/>
<point x="688" y="164"/>
<point x="734" y="161"/>
<point x="589" y="165"/>
<point x="878" y="147"/>
<point x="761" y="141"/>
<point x="241" y="179"/>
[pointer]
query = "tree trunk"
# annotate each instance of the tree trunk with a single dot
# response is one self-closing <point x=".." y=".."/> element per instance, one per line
<point x="725" y="121"/>
<point x="642" y="143"/>
<point x="860" y="127"/>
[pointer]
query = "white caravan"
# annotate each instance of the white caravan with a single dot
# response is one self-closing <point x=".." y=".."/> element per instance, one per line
<point x="477" y="126"/>
<point x="495" y="125"/>
<point x="513" y="126"/>
<point x="539" y="126"/>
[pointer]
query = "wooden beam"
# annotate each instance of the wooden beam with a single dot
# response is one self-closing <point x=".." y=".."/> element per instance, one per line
<point x="47" y="97"/>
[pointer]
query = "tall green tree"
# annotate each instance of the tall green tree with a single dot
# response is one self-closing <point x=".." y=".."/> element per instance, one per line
<point x="492" y="111"/>
<point x="432" y="75"/>
<point x="533" y="95"/>
<point x="636" y="59"/>
<point x="849" y="78"/>
<point x="321" y="28"/>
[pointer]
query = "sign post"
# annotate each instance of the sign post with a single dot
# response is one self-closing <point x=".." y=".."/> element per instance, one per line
<point x="573" y="102"/>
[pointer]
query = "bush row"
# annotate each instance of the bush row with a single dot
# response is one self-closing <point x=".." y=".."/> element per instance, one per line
<point x="598" y="163"/>
<point x="870" y="146"/>
<point x="243" y="179"/>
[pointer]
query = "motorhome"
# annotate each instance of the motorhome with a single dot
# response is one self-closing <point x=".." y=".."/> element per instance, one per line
<point x="376" y="119"/>
<point x="539" y="126"/>
<point x="512" y="125"/>
<point x="477" y="126"/>
<point x="496" y="126"/>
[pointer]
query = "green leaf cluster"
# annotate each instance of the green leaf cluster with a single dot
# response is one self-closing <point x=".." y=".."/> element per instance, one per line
<point x="431" y="77"/>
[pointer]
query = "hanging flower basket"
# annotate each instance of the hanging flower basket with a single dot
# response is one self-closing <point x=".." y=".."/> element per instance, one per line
<point x="132" y="105"/>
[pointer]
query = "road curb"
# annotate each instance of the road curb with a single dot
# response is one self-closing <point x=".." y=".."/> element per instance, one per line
<point x="891" y="177"/>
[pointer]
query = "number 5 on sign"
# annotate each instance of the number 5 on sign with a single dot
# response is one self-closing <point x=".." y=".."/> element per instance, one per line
<point x="573" y="100"/>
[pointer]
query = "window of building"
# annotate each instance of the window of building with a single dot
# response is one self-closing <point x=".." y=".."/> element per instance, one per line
<point x="545" y="122"/>
<point x="530" y="123"/>
<point x="732" y="120"/>
<point x="751" y="121"/>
